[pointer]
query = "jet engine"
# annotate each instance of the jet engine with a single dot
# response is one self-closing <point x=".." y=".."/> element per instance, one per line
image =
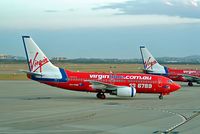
<point x="124" y="92"/>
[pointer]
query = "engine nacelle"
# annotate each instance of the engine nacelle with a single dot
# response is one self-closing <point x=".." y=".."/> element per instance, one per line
<point x="125" y="92"/>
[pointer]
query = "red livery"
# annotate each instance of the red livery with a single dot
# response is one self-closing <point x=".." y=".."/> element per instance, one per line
<point x="151" y="66"/>
<point x="120" y="84"/>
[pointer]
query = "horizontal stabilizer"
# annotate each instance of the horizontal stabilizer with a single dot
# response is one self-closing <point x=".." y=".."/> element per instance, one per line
<point x="146" y="70"/>
<point x="31" y="73"/>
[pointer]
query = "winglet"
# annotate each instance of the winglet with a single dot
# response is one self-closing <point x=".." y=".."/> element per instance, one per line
<point x="142" y="46"/>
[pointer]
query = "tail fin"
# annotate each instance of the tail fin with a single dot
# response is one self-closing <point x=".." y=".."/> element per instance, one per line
<point x="39" y="65"/>
<point x="150" y="63"/>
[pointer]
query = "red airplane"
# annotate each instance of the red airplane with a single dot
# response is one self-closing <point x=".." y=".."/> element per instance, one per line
<point x="120" y="84"/>
<point x="151" y="66"/>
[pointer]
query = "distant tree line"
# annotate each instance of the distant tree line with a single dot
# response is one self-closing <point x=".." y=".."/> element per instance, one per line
<point x="102" y="61"/>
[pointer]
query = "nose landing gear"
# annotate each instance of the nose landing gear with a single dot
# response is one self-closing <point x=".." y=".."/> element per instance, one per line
<point x="161" y="96"/>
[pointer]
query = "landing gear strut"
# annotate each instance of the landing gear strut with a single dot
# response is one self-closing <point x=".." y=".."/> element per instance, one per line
<point x="190" y="84"/>
<point x="160" y="96"/>
<point x="101" y="95"/>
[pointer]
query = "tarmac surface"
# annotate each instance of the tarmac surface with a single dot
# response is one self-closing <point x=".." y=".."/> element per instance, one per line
<point x="28" y="107"/>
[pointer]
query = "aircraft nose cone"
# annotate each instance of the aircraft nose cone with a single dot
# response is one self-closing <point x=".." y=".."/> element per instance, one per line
<point x="176" y="86"/>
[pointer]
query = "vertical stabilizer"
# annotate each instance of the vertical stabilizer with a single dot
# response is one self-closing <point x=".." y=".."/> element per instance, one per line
<point x="37" y="61"/>
<point x="150" y="63"/>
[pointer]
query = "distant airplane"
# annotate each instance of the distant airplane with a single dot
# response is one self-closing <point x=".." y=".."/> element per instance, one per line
<point x="151" y="66"/>
<point x="120" y="84"/>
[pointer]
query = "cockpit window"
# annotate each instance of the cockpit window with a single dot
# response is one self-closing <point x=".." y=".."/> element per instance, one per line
<point x="166" y="87"/>
<point x="170" y="81"/>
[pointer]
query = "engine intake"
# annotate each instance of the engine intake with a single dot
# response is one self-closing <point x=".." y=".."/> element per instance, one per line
<point x="125" y="92"/>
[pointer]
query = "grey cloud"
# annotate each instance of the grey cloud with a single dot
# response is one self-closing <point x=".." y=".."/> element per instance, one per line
<point x="154" y="7"/>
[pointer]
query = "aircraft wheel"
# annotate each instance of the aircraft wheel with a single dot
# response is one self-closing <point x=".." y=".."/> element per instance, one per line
<point x="101" y="95"/>
<point x="190" y="84"/>
<point x="98" y="95"/>
<point x="160" y="96"/>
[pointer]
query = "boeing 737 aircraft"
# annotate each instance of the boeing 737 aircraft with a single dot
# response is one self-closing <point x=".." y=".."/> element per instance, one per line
<point x="151" y="66"/>
<point x="120" y="84"/>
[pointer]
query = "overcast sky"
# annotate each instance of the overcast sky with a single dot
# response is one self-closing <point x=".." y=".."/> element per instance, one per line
<point x="101" y="28"/>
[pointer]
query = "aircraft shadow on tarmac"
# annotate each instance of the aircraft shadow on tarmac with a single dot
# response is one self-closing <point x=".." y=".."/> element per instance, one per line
<point x="83" y="98"/>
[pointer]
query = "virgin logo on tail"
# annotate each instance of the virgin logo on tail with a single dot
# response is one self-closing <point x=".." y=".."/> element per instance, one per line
<point x="149" y="64"/>
<point x="37" y="64"/>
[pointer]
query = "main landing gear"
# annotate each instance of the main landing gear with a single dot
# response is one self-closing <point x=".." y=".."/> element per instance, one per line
<point x="101" y="95"/>
<point x="161" y="96"/>
<point x="190" y="84"/>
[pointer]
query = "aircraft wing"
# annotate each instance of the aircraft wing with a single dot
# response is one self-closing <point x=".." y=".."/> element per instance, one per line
<point x="31" y="73"/>
<point x="191" y="78"/>
<point x="102" y="85"/>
